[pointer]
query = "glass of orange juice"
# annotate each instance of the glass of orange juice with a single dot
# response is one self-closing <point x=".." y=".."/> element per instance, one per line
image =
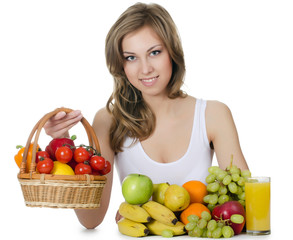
<point x="257" y="200"/>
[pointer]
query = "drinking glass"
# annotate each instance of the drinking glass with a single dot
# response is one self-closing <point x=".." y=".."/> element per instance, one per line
<point x="257" y="200"/>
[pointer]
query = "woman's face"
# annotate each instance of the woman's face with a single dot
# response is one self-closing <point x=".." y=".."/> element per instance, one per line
<point x="147" y="64"/>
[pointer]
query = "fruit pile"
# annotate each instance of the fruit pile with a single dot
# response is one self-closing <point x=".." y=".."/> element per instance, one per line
<point x="169" y="210"/>
<point x="62" y="157"/>
<point x="142" y="216"/>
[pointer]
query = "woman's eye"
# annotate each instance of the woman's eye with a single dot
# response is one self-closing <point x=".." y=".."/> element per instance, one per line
<point x="130" y="58"/>
<point x="156" y="52"/>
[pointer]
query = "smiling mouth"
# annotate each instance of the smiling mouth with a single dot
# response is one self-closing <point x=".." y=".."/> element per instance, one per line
<point x="148" y="80"/>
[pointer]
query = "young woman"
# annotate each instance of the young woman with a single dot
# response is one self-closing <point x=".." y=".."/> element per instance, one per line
<point x="150" y="126"/>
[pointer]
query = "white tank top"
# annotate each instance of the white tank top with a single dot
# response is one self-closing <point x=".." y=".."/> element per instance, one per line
<point x="193" y="165"/>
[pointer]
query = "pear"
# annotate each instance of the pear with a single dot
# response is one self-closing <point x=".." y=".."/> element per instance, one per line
<point x="159" y="192"/>
<point x="176" y="198"/>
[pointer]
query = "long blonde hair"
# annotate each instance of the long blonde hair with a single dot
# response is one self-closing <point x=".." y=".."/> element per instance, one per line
<point x="131" y="115"/>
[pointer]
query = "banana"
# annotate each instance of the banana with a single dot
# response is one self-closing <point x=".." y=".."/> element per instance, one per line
<point x="156" y="227"/>
<point x="134" y="213"/>
<point x="160" y="213"/>
<point x="131" y="228"/>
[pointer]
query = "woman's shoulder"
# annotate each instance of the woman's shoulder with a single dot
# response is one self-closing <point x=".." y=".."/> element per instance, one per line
<point x="218" y="116"/>
<point x="102" y="119"/>
<point x="216" y="107"/>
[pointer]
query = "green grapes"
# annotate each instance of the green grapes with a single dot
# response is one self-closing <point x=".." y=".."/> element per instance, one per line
<point x="227" y="180"/>
<point x="223" y="198"/>
<point x="202" y="223"/>
<point x="191" y="225"/>
<point x="206" y="215"/>
<point x="237" y="218"/>
<point x="246" y="174"/>
<point x="225" y="185"/>
<point x="227" y="232"/>
<point x="211" y="178"/>
<point x="206" y="227"/>
<point x="232" y="187"/>
<point x="213" y="187"/>
<point x="193" y="218"/>
<point x="212" y="225"/>
<point x="167" y="233"/>
<point x="213" y="199"/>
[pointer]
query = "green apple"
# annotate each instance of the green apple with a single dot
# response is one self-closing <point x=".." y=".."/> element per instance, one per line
<point x="137" y="188"/>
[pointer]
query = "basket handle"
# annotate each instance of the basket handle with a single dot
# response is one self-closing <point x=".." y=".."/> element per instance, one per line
<point x="37" y="129"/>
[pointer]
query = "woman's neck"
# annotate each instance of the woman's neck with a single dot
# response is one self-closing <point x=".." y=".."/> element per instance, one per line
<point x="162" y="105"/>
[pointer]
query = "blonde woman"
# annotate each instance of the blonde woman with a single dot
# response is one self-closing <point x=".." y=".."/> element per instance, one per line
<point x="150" y="126"/>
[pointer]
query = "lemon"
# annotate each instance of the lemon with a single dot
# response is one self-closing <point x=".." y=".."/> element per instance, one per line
<point x="62" y="169"/>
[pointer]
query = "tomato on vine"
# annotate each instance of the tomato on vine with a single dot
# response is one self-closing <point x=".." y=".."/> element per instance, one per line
<point x="45" y="165"/>
<point x="63" y="154"/>
<point x="83" y="168"/>
<point x="42" y="154"/>
<point x="106" y="169"/>
<point x="81" y="154"/>
<point x="97" y="162"/>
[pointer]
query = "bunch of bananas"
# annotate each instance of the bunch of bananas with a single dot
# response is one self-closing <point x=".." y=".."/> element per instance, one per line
<point x="150" y="218"/>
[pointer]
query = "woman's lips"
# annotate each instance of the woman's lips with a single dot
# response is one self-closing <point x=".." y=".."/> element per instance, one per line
<point x="149" y="81"/>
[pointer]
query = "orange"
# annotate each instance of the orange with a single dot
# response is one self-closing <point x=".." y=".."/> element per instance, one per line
<point x="193" y="208"/>
<point x="197" y="190"/>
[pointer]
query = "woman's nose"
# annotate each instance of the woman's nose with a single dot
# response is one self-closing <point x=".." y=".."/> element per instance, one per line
<point x="146" y="66"/>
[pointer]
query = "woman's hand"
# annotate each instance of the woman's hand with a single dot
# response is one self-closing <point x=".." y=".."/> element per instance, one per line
<point x="118" y="216"/>
<point x="59" y="125"/>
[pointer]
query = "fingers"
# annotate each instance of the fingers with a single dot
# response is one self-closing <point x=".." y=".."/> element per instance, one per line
<point x="61" y="123"/>
<point x="59" y="115"/>
<point x="118" y="216"/>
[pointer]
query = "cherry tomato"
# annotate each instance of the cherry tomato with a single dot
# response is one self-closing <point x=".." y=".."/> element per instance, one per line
<point x="81" y="155"/>
<point x="97" y="162"/>
<point x="106" y="169"/>
<point x="63" y="154"/>
<point x="42" y="154"/>
<point x="83" y="168"/>
<point x="45" y="165"/>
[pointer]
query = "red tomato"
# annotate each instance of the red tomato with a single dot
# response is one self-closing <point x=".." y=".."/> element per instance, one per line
<point x="83" y="168"/>
<point x="42" y="154"/>
<point x="106" y="169"/>
<point x="63" y="154"/>
<point x="97" y="162"/>
<point x="45" y="165"/>
<point x="81" y="155"/>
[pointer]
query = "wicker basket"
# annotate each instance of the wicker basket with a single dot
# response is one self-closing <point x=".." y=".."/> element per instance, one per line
<point x="59" y="191"/>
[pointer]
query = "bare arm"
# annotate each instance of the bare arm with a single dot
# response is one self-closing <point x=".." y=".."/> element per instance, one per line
<point x="222" y="132"/>
<point x="92" y="218"/>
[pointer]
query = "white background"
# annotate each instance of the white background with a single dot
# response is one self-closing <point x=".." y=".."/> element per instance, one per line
<point x="52" y="55"/>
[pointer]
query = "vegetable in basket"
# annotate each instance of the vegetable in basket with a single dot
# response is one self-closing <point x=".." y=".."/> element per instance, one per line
<point x="59" y="142"/>
<point x="19" y="155"/>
